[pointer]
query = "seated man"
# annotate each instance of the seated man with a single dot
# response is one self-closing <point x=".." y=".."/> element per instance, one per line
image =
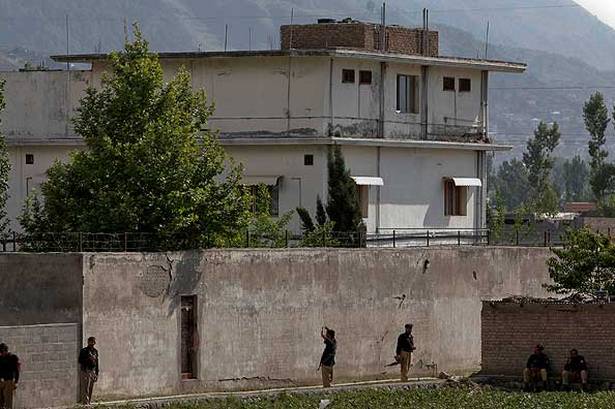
<point x="575" y="369"/>
<point x="536" y="368"/>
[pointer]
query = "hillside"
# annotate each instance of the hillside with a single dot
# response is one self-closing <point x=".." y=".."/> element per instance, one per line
<point x="564" y="45"/>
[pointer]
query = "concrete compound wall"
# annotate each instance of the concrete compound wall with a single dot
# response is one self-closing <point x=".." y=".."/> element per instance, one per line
<point x="509" y="332"/>
<point x="259" y="312"/>
<point x="48" y="363"/>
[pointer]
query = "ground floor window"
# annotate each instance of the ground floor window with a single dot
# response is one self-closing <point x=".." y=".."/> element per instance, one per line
<point x="363" y="194"/>
<point x="455" y="199"/>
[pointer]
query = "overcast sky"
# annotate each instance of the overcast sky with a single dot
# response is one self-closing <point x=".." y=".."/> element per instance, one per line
<point x="604" y="9"/>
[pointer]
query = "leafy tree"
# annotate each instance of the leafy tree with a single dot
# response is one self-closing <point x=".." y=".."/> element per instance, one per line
<point x="539" y="163"/>
<point x="585" y="264"/>
<point x="511" y="183"/>
<point x="343" y="204"/>
<point x="576" y="178"/>
<point x="307" y="224"/>
<point x="496" y="215"/>
<point x="149" y="166"/>
<point x="596" y="116"/>
<point x="263" y="229"/>
<point x="321" y="215"/>
<point x="5" y="167"/>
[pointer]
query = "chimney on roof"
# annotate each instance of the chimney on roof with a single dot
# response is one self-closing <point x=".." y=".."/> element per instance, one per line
<point x="357" y="35"/>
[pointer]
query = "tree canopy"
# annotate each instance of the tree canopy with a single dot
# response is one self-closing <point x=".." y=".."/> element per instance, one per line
<point x="585" y="264"/>
<point x="151" y="164"/>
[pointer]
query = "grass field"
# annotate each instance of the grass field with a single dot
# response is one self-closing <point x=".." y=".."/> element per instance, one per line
<point x="417" y="399"/>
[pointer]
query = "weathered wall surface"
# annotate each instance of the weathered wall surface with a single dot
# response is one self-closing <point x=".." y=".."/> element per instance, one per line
<point x="259" y="312"/>
<point x="48" y="356"/>
<point x="510" y="331"/>
<point x="40" y="288"/>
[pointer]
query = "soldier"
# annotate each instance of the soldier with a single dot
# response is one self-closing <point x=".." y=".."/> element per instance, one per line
<point x="536" y="368"/>
<point x="328" y="356"/>
<point x="575" y="368"/>
<point x="9" y="376"/>
<point x="403" y="353"/>
<point x="88" y="364"/>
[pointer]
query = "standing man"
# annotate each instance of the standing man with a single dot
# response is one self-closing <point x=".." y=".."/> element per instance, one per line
<point x="9" y="376"/>
<point x="328" y="356"/>
<point x="88" y="372"/>
<point x="403" y="353"/>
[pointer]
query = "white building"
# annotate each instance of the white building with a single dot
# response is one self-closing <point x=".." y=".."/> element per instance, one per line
<point x="412" y="124"/>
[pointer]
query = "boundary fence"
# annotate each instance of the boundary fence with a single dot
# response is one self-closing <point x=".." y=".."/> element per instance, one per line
<point x="149" y="242"/>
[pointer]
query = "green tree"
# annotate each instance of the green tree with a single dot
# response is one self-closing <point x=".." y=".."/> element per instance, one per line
<point x="576" y="178"/>
<point x="511" y="183"/>
<point x="343" y="204"/>
<point x="149" y="165"/>
<point x="596" y="116"/>
<point x="5" y="167"/>
<point x="585" y="264"/>
<point x="496" y="216"/>
<point x="321" y="214"/>
<point x="539" y="162"/>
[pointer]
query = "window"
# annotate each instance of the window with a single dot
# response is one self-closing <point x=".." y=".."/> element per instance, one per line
<point x="465" y="85"/>
<point x="407" y="95"/>
<point x="365" y="77"/>
<point x="348" y="76"/>
<point x="29" y="159"/>
<point x="455" y="199"/>
<point x="274" y="197"/>
<point x="189" y="338"/>
<point x="449" y="84"/>
<point x="363" y="194"/>
<point x="308" y="160"/>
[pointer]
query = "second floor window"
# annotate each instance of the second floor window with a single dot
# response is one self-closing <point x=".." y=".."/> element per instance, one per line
<point x="407" y="95"/>
<point x="465" y="85"/>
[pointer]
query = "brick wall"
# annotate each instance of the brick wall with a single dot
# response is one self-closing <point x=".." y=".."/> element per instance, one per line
<point x="48" y="355"/>
<point x="357" y="35"/>
<point x="509" y="332"/>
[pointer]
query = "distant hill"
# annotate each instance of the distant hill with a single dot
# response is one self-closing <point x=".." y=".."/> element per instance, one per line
<point x="563" y="44"/>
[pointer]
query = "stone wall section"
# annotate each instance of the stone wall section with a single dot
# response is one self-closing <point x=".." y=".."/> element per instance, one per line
<point x="48" y="356"/>
<point x="510" y="331"/>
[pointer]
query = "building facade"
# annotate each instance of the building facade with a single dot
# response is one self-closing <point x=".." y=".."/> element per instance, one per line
<point x="413" y="125"/>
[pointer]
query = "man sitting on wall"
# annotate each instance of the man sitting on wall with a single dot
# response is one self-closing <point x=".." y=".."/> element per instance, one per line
<point x="575" y="370"/>
<point x="536" y="368"/>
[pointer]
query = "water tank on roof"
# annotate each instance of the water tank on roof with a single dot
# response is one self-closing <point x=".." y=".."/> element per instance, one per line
<point x="326" y="21"/>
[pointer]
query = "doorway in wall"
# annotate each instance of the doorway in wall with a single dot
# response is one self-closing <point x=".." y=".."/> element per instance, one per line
<point x="189" y="338"/>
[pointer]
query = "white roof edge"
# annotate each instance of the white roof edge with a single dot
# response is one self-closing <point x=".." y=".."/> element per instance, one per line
<point x="393" y="143"/>
<point x="466" y="181"/>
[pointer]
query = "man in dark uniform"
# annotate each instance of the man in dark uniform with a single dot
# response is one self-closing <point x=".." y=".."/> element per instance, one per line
<point x="88" y="371"/>
<point x="403" y="352"/>
<point x="536" y="368"/>
<point x="575" y="369"/>
<point x="9" y="376"/>
<point x="328" y="356"/>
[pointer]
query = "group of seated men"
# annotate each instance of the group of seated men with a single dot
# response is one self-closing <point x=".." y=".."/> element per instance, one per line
<point x="538" y="365"/>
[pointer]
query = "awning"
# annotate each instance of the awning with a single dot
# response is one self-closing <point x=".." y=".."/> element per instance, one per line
<point x="258" y="180"/>
<point x="368" y="181"/>
<point x="467" y="182"/>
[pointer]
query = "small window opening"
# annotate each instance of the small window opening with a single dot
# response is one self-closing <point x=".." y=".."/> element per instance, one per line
<point x="308" y="160"/>
<point x="449" y="84"/>
<point x="348" y="76"/>
<point x="365" y="77"/>
<point x="29" y="159"/>
<point x="189" y="337"/>
<point x="465" y="85"/>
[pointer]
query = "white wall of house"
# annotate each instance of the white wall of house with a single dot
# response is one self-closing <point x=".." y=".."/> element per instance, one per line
<point x="253" y="98"/>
